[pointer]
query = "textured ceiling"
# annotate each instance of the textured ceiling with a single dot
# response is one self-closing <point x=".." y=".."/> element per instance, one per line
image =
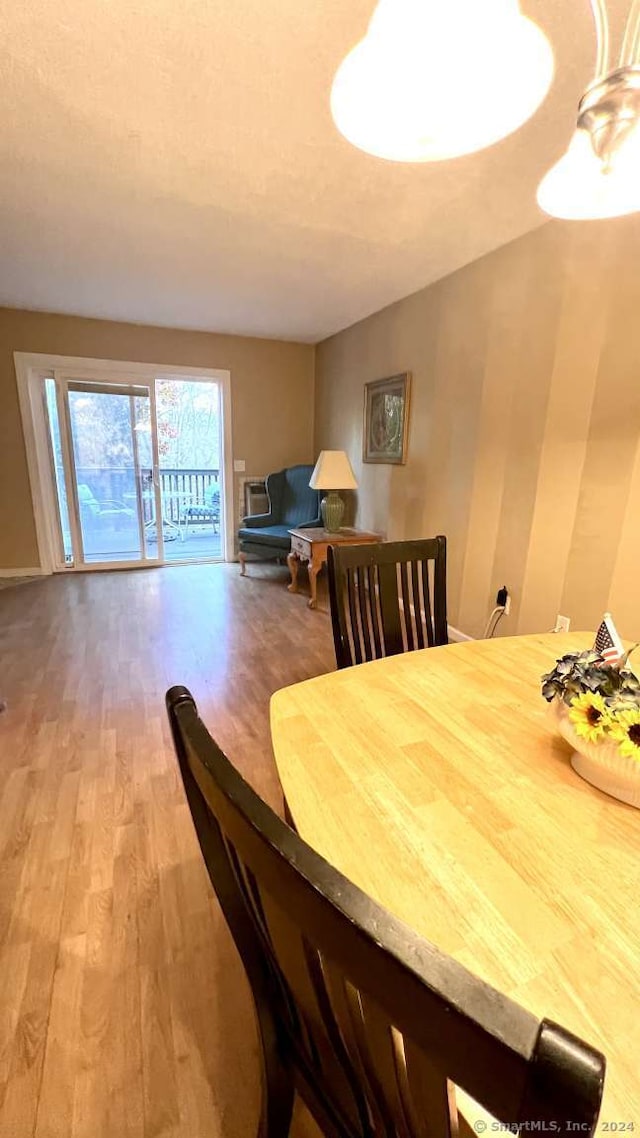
<point x="174" y="162"/>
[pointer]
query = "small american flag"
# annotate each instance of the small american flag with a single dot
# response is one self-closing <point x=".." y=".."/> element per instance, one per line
<point x="607" y="641"/>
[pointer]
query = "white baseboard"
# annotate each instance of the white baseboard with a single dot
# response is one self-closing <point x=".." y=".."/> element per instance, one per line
<point x="21" y="572"/>
<point x="456" y="635"/>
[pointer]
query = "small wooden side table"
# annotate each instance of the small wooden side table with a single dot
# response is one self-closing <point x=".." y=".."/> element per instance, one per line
<point x="311" y="545"/>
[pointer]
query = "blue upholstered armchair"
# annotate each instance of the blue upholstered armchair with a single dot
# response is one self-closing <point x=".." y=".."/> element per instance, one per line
<point x="292" y="504"/>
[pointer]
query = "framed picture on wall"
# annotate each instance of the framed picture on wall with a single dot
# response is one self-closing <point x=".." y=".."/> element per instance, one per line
<point x="386" y="419"/>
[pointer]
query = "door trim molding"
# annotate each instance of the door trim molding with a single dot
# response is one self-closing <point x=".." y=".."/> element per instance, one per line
<point x="32" y="367"/>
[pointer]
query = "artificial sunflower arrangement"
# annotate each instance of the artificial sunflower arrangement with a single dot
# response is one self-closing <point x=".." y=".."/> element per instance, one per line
<point x="588" y="713"/>
<point x="601" y="700"/>
<point x="596" y="699"/>
<point x="625" y="729"/>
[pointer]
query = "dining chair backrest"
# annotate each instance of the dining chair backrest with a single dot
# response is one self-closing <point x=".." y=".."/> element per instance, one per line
<point x="387" y="598"/>
<point x="369" y="1022"/>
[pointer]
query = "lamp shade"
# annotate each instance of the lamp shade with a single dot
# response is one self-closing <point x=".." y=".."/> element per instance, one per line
<point x="333" y="471"/>
<point x="433" y="79"/>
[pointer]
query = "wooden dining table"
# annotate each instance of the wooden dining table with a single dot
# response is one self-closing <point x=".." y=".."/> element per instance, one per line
<point x="436" y="781"/>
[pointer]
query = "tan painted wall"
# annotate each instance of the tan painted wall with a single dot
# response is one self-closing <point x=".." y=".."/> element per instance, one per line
<point x="524" y="443"/>
<point x="271" y="391"/>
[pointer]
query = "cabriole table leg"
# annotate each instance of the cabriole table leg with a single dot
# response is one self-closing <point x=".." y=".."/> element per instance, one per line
<point x="314" y="567"/>
<point x="292" y="562"/>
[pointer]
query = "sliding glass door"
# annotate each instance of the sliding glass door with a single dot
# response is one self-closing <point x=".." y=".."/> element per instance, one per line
<point x="189" y="422"/>
<point x="135" y="470"/>
<point x="114" y="502"/>
<point x="102" y="450"/>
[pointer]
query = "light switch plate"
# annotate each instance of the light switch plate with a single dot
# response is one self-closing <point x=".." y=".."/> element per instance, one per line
<point x="239" y="465"/>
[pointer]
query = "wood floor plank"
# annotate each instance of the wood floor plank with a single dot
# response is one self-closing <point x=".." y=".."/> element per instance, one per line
<point x="14" y="970"/>
<point x="63" y="1054"/>
<point x="124" y="1012"/>
<point x="38" y="912"/>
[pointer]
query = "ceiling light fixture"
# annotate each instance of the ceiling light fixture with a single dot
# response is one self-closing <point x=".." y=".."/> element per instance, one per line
<point x="434" y="79"/>
<point x="599" y="175"/>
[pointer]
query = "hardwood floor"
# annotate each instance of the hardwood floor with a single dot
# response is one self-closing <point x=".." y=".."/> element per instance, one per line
<point x="124" y="1012"/>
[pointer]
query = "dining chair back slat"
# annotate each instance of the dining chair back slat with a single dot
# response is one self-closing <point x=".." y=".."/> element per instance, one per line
<point x="366" y="629"/>
<point x="431" y="1098"/>
<point x="380" y="1051"/>
<point x="387" y="598"/>
<point x="353" y="618"/>
<point x="376" y="615"/>
<point x="369" y="1022"/>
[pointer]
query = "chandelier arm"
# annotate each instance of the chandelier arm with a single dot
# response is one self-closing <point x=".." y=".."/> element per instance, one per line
<point x="631" y="41"/>
<point x="601" y="21"/>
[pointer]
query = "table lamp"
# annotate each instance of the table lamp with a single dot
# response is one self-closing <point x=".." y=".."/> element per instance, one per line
<point x="333" y="472"/>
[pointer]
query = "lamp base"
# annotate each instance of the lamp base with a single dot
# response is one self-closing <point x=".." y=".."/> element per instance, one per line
<point x="332" y="510"/>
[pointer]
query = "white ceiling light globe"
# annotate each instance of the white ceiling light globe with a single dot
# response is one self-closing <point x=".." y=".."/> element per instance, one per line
<point x="580" y="187"/>
<point x="433" y="79"/>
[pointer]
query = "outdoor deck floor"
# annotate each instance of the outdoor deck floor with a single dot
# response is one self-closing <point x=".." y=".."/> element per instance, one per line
<point x="198" y="543"/>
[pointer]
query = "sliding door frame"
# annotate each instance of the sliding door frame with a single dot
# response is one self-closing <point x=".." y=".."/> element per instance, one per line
<point x="66" y="382"/>
<point x="31" y="371"/>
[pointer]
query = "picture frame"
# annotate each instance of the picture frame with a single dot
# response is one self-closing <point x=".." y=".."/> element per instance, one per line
<point x="386" y="419"/>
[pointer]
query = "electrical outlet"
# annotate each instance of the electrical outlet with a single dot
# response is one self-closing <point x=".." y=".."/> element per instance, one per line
<point x="503" y="600"/>
<point x="562" y="623"/>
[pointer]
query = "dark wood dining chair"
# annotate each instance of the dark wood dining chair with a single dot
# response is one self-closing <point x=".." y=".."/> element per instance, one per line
<point x="387" y="598"/>
<point x="372" y="1025"/>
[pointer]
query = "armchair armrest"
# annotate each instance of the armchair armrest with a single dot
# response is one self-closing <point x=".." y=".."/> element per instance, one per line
<point x="258" y="521"/>
<point x="314" y="524"/>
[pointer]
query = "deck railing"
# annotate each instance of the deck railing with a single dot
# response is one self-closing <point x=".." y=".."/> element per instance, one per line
<point x="178" y="487"/>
